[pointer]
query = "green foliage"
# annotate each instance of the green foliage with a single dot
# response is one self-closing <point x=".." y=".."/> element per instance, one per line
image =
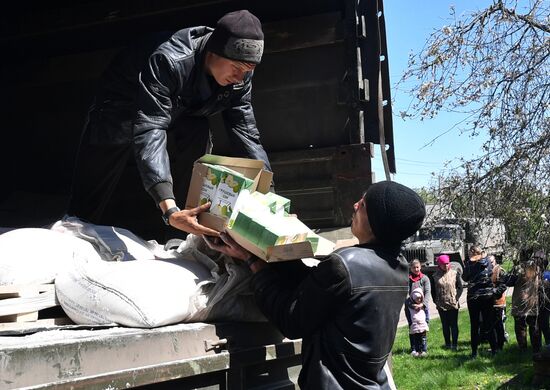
<point x="445" y="369"/>
<point x="492" y="65"/>
<point x="429" y="196"/>
<point x="522" y="207"/>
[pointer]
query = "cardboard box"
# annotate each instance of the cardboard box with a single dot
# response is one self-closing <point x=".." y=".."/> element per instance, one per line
<point x="252" y="169"/>
<point x="282" y="230"/>
<point x="300" y="250"/>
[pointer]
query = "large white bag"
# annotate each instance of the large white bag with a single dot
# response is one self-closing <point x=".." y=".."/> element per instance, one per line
<point x="139" y="293"/>
<point x="112" y="243"/>
<point x="230" y="297"/>
<point x="34" y="256"/>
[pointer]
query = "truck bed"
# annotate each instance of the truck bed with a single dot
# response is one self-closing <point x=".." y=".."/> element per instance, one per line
<point x="199" y="355"/>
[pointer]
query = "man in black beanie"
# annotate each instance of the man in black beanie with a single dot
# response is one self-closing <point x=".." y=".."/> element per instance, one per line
<point x="169" y="84"/>
<point x="345" y="309"/>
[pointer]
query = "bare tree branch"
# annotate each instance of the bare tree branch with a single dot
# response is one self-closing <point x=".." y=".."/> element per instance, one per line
<point x="492" y="65"/>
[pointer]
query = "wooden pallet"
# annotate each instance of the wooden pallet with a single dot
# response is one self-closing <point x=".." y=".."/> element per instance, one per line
<point x="21" y="305"/>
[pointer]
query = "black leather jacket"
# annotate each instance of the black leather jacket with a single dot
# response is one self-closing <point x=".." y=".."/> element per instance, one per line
<point x="478" y="274"/>
<point x="346" y="310"/>
<point x="150" y="84"/>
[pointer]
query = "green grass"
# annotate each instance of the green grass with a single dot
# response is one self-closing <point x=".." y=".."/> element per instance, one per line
<point x="444" y="369"/>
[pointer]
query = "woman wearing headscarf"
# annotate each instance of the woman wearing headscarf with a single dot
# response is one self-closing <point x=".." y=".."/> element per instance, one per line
<point x="447" y="291"/>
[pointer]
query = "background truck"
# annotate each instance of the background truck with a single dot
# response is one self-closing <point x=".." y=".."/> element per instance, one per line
<point x="321" y="97"/>
<point x="454" y="237"/>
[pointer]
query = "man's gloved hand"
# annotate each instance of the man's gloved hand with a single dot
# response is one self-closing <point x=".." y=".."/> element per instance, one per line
<point x="186" y="220"/>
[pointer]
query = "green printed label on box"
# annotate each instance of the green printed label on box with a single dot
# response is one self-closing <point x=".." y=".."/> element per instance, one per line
<point x="255" y="230"/>
<point x="270" y="238"/>
<point x="231" y="184"/>
<point x="210" y="184"/>
<point x="281" y="230"/>
<point x="241" y="224"/>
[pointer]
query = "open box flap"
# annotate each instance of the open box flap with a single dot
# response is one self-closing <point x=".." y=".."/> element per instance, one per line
<point x="231" y="162"/>
<point x="251" y="169"/>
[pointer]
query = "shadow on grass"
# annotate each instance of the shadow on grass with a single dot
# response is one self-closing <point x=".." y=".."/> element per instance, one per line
<point x="511" y="368"/>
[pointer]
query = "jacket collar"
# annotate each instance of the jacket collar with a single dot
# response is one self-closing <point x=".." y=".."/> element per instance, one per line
<point x="389" y="250"/>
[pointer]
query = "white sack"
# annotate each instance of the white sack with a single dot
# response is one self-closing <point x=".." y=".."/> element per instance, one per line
<point x="111" y="242"/>
<point x="142" y="293"/>
<point x="33" y="255"/>
<point x="230" y="297"/>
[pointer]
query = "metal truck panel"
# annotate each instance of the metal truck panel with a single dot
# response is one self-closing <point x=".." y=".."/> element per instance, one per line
<point x="124" y="357"/>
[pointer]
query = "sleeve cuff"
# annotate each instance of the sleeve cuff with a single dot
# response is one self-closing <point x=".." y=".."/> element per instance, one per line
<point x="161" y="191"/>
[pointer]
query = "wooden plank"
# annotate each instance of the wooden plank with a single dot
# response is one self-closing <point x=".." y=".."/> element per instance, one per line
<point x="20" y="317"/>
<point x="12" y="290"/>
<point x="42" y="323"/>
<point x="27" y="302"/>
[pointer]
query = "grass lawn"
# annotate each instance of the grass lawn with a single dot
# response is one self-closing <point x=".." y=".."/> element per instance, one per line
<point x="444" y="369"/>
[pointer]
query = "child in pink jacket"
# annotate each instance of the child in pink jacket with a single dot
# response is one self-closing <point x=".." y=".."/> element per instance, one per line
<point x="419" y="326"/>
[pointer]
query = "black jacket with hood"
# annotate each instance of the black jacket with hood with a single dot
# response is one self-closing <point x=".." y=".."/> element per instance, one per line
<point x="147" y="86"/>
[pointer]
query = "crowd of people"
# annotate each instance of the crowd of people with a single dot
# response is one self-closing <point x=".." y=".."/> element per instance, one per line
<point x="487" y="283"/>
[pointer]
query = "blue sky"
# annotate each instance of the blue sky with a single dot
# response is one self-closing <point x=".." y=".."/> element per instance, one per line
<point x="408" y="25"/>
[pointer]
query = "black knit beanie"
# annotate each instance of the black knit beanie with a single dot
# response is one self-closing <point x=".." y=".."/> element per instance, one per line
<point x="238" y="36"/>
<point x="395" y="212"/>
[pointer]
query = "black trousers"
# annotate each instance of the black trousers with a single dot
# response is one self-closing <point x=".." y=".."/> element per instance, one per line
<point x="419" y="342"/>
<point x="106" y="186"/>
<point x="409" y="320"/>
<point x="544" y="324"/>
<point x="449" y="324"/>
<point x="481" y="305"/>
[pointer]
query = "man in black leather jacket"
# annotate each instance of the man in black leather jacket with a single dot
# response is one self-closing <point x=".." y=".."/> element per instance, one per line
<point x="347" y="308"/>
<point x="169" y="84"/>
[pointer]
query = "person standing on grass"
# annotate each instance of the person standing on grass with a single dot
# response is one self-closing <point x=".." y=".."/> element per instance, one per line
<point x="499" y="306"/>
<point x="448" y="289"/>
<point x="418" y="329"/>
<point x="525" y="300"/>
<point x="544" y="317"/>
<point x="481" y="294"/>
<point x="418" y="280"/>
